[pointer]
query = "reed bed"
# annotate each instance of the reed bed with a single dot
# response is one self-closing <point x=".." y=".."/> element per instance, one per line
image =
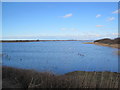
<point x="21" y="78"/>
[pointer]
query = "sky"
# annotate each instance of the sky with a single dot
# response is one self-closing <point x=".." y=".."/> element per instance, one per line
<point x="59" y="20"/>
<point x="60" y="0"/>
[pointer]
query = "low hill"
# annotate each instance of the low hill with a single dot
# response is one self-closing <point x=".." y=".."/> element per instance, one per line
<point x="109" y="41"/>
<point x="114" y="43"/>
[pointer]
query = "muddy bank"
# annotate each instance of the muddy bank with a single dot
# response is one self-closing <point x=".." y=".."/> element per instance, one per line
<point x="103" y="44"/>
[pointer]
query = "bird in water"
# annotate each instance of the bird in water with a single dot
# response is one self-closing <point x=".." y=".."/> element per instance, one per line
<point x="80" y="54"/>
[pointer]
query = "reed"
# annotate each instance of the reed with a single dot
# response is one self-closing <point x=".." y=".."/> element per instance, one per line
<point x="21" y="78"/>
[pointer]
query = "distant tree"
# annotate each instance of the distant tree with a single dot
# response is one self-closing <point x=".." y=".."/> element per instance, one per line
<point x="37" y="40"/>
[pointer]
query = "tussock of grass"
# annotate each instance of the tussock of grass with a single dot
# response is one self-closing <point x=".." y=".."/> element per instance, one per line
<point x="20" y="78"/>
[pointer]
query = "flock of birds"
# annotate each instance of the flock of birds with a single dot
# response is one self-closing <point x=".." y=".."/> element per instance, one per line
<point x="9" y="58"/>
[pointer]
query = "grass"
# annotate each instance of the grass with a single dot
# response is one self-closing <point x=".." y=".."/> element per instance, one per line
<point x="108" y="45"/>
<point x="114" y="43"/>
<point x="88" y="43"/>
<point x="21" y="78"/>
<point x="103" y="44"/>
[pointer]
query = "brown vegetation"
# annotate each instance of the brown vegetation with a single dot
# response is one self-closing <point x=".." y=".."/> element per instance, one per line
<point x="115" y="43"/>
<point x="109" y="45"/>
<point x="108" y="41"/>
<point x="20" y="78"/>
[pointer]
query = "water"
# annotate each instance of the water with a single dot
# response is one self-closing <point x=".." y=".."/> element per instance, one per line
<point x="60" y="57"/>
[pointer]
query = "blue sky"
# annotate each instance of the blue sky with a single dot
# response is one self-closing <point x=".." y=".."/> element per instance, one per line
<point x="60" y="0"/>
<point x="65" y="20"/>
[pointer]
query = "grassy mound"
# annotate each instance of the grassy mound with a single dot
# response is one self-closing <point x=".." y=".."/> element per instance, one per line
<point x="109" y="41"/>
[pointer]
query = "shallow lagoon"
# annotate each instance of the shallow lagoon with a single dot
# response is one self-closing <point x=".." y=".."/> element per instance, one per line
<point x="60" y="56"/>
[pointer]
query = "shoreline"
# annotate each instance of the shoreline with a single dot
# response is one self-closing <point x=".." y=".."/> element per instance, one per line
<point x="107" y="45"/>
<point x="24" y="78"/>
<point x="37" y="40"/>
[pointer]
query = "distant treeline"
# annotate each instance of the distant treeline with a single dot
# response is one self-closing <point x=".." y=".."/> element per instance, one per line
<point x="34" y="40"/>
<point x="109" y="41"/>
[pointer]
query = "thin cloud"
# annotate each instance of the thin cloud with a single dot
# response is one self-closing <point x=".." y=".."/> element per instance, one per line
<point x="116" y="34"/>
<point x="68" y="15"/>
<point x="69" y="29"/>
<point x="63" y="29"/>
<point x="116" y="11"/>
<point x="99" y="26"/>
<point x="98" y="15"/>
<point x="111" y="18"/>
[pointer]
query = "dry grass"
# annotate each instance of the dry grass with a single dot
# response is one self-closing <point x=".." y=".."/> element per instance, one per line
<point x="103" y="44"/>
<point x="88" y="43"/>
<point x="19" y="78"/>
<point x="109" y="45"/>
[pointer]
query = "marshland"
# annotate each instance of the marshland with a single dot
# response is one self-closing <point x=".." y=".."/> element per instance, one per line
<point x="59" y="64"/>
